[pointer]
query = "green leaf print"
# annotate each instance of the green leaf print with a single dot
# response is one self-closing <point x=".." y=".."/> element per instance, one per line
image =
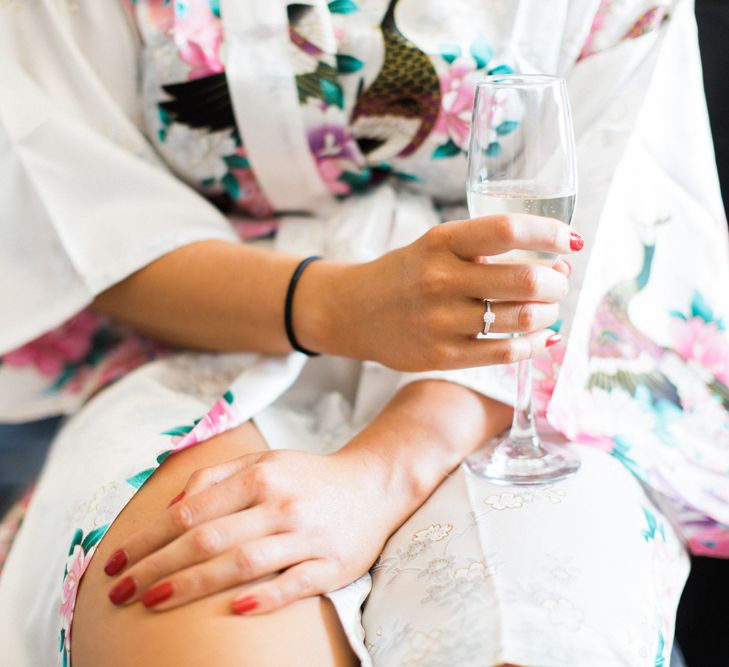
<point x="179" y="430"/>
<point x="493" y="149"/>
<point x="230" y="183"/>
<point x="450" y="52"/>
<point x="236" y="162"/>
<point x="448" y="149"/>
<point x="348" y="64"/>
<point x="215" y="7"/>
<point x="357" y="181"/>
<point x="501" y="69"/>
<point x="140" y="478"/>
<point x="342" y="7"/>
<point x="93" y="537"/>
<point x="77" y="537"/>
<point x="228" y="396"/>
<point x="332" y="93"/>
<point x="507" y="127"/>
<point x="481" y="52"/>
<point x="161" y="457"/>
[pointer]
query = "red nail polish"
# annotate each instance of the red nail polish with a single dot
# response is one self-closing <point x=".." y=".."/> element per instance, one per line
<point x="123" y="591"/>
<point x="177" y="498"/>
<point x="158" y="593"/>
<point x="553" y="340"/>
<point x="576" y="241"/>
<point x="116" y="562"/>
<point x="245" y="604"/>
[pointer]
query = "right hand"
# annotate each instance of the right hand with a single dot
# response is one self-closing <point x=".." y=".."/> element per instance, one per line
<point x="418" y="308"/>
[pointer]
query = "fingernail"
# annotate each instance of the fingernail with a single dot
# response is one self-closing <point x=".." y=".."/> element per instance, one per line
<point x="553" y="340"/>
<point x="576" y="241"/>
<point x="116" y="562"/>
<point x="248" y="603"/>
<point x="177" y="498"/>
<point x="158" y="593"/>
<point x="122" y="591"/>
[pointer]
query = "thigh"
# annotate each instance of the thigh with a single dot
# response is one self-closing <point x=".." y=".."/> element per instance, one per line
<point x="204" y="632"/>
<point x="583" y="571"/>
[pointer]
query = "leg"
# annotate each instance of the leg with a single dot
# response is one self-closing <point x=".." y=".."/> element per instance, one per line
<point x="582" y="572"/>
<point x="205" y="632"/>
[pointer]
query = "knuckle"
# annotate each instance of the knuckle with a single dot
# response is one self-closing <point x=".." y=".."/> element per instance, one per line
<point x="433" y="280"/>
<point x="435" y="238"/>
<point x="529" y="280"/>
<point x="207" y="541"/>
<point x="199" y="477"/>
<point x="305" y="585"/>
<point x="508" y="354"/>
<point x="248" y="560"/>
<point x="262" y="478"/>
<point x="291" y="510"/>
<point x="505" y="229"/>
<point x="276" y="597"/>
<point x="526" y="317"/>
<point x="440" y="357"/>
<point x="182" y="517"/>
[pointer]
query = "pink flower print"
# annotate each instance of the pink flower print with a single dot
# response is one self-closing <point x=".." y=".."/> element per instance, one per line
<point x="198" y="35"/>
<point x="457" y="89"/>
<point x="77" y="564"/>
<point x="330" y="144"/>
<point x="219" y="419"/>
<point x="546" y="370"/>
<point x="712" y="541"/>
<point x="704" y="343"/>
<point x="50" y="353"/>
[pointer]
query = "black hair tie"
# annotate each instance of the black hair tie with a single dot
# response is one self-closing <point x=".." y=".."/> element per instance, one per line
<point x="288" y="324"/>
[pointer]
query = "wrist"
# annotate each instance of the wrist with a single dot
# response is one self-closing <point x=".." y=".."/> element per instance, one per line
<point x="319" y="311"/>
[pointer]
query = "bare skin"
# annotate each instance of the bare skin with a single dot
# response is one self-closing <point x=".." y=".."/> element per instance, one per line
<point x="261" y="503"/>
<point x="203" y="632"/>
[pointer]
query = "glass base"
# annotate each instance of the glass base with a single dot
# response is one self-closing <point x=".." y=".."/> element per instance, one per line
<point x="507" y="460"/>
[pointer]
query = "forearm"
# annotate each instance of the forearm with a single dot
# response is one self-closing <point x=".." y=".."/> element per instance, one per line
<point x="221" y="296"/>
<point x="427" y="429"/>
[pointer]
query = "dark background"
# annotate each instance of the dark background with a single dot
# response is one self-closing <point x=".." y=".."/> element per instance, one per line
<point x="703" y="616"/>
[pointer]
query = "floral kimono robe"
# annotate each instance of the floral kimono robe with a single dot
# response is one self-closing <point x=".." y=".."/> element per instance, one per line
<point x="130" y="129"/>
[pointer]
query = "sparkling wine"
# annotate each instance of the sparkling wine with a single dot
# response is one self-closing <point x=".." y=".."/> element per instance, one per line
<point x="512" y="198"/>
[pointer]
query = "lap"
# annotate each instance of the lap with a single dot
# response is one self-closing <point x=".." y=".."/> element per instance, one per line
<point x="204" y="630"/>
<point x="584" y="571"/>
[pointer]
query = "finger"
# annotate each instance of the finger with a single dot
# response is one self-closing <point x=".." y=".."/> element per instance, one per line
<point x="244" y="563"/>
<point x="206" y="477"/>
<point x="495" y="234"/>
<point x="511" y="282"/>
<point x="471" y="352"/>
<point x="508" y="318"/>
<point x="563" y="266"/>
<point x="236" y="493"/>
<point x="196" y="546"/>
<point x="312" y="577"/>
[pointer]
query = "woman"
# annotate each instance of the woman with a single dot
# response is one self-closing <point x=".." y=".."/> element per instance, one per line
<point x="348" y="121"/>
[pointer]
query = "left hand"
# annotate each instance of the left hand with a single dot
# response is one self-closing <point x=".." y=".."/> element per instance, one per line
<point x="313" y="522"/>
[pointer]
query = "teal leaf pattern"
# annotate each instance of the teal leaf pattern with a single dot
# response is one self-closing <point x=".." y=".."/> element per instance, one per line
<point x="501" y="69"/>
<point x="228" y="396"/>
<point x="342" y="7"/>
<point x="357" y="180"/>
<point x="450" y="52"/>
<point x="140" y="478"/>
<point x="92" y="539"/>
<point x="448" y="149"/>
<point x="481" y="52"/>
<point x="163" y="456"/>
<point x="178" y="430"/>
<point x="332" y="93"/>
<point x="348" y="64"/>
<point x="230" y="182"/>
<point x="236" y="162"/>
<point x="77" y="537"/>
<point x="493" y="149"/>
<point x="507" y="127"/>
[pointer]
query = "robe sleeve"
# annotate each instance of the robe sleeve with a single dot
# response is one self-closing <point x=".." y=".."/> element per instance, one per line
<point x="84" y="200"/>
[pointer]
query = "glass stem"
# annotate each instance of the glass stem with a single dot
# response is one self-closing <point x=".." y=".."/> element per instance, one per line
<point x="523" y="430"/>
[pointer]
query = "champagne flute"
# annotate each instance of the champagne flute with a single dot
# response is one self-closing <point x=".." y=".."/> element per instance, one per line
<point x="522" y="160"/>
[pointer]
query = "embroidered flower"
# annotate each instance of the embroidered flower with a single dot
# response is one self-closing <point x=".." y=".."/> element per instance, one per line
<point x="504" y="501"/>
<point x="563" y="612"/>
<point x="477" y="571"/>
<point x="457" y="88"/>
<point x="435" y="532"/>
<point x="702" y="342"/>
<point x="199" y="154"/>
<point x="67" y="344"/>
